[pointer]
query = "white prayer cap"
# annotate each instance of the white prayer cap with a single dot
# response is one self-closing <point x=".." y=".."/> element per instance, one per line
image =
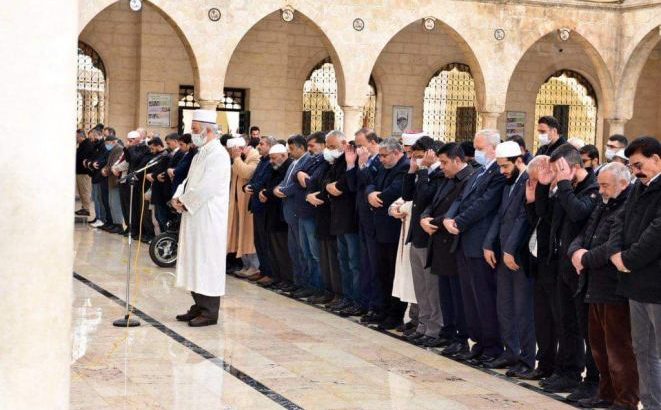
<point x="278" y="149"/>
<point x="133" y="135"/>
<point x="620" y="154"/>
<point x="208" y="116"/>
<point x="508" y="149"/>
<point x="236" y="142"/>
<point x="409" y="138"/>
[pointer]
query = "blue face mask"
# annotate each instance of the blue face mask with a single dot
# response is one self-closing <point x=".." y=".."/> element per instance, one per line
<point x="109" y="146"/>
<point x="480" y="157"/>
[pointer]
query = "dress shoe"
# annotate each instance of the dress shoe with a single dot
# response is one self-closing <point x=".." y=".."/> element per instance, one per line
<point x="562" y="384"/>
<point x="354" y="310"/>
<point x="500" y="363"/>
<point x="410" y="330"/>
<point x="372" y="317"/>
<point x="468" y="355"/>
<point x="537" y="374"/>
<point x="409" y="327"/>
<point x="595" y="403"/>
<point x="265" y="281"/>
<point x="340" y="306"/>
<point x="106" y="226"/>
<point x="523" y="371"/>
<point x="390" y="323"/>
<point x="201" y="321"/>
<point x="303" y="293"/>
<point x="247" y="273"/>
<point x="550" y="379"/>
<point x="115" y="229"/>
<point x="584" y="391"/>
<point x="454" y="349"/>
<point x="483" y="360"/>
<point x="82" y="212"/>
<point x="188" y="316"/>
<point x="288" y="287"/>
<point x="436" y="342"/>
<point x="415" y="336"/>
<point x="255" y="277"/>
<point x="321" y="298"/>
<point x="513" y="369"/>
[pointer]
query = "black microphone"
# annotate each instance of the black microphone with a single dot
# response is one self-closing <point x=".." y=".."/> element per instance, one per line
<point x="157" y="157"/>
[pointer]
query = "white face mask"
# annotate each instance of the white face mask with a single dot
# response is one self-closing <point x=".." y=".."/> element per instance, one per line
<point x="198" y="139"/>
<point x="544" y="139"/>
<point x="331" y="155"/>
<point x="610" y="154"/>
<point x="418" y="161"/>
<point x="481" y="157"/>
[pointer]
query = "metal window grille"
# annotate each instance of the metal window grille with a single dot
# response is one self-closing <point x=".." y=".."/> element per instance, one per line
<point x="449" y="104"/>
<point x="91" y="88"/>
<point x="320" y="100"/>
<point x="369" y="110"/>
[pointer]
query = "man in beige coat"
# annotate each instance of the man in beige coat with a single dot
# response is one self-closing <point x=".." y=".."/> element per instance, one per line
<point x="239" y="227"/>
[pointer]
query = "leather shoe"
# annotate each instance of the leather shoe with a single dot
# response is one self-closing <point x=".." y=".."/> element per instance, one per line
<point x="537" y="374"/>
<point x="415" y="336"/>
<point x="303" y="293"/>
<point x="372" y="318"/>
<point x="340" y="306"/>
<point x="595" y="403"/>
<point x="353" y="310"/>
<point x="523" y="372"/>
<point x="469" y="355"/>
<point x="321" y="298"/>
<point x="513" y="369"/>
<point x="482" y="360"/>
<point x="584" y="391"/>
<point x="188" y="316"/>
<point x="201" y="321"/>
<point x="436" y="342"/>
<point x="265" y="281"/>
<point x="561" y="385"/>
<point x="255" y="277"/>
<point x="455" y="348"/>
<point x="499" y="363"/>
<point x="389" y="323"/>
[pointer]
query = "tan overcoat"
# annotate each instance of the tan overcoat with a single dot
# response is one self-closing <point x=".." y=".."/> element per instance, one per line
<point x="239" y="224"/>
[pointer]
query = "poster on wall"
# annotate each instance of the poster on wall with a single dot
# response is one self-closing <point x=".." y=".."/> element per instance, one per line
<point x="159" y="107"/>
<point x="515" y="123"/>
<point x="402" y="119"/>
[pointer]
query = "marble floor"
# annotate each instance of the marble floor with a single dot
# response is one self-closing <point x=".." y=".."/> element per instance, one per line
<point x="268" y="351"/>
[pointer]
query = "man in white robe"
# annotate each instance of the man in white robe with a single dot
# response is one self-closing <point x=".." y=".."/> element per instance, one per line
<point x="203" y="201"/>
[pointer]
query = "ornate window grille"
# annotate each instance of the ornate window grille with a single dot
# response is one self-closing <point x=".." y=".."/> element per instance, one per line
<point x="369" y="110"/>
<point x="570" y="98"/>
<point x="91" y="88"/>
<point x="233" y="99"/>
<point x="449" y="104"/>
<point x="320" y="109"/>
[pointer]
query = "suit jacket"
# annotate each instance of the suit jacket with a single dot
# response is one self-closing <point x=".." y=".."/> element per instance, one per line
<point x="476" y="207"/>
<point x="275" y="219"/>
<point x="322" y="212"/>
<point x="84" y="151"/>
<point x="181" y="169"/>
<point x="357" y="180"/>
<point x="442" y="244"/>
<point x="510" y="228"/>
<point x="303" y="208"/>
<point x="420" y="188"/>
<point x="293" y="190"/>
<point x="343" y="217"/>
<point x="389" y="182"/>
<point x="259" y="179"/>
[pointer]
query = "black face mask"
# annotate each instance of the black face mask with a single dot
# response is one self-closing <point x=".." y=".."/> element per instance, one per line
<point x="590" y="170"/>
<point x="512" y="179"/>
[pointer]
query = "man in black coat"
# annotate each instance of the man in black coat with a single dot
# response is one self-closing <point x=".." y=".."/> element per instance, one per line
<point x="635" y="240"/>
<point x="442" y="245"/>
<point x="608" y="324"/>
<point x="575" y="198"/>
<point x="420" y="185"/>
<point x="99" y="158"/>
<point x="83" y="180"/>
<point x="470" y="219"/>
<point x="384" y="189"/>
<point x="504" y="249"/>
<point x="549" y="138"/>
<point x="276" y="226"/>
<point x="161" y="185"/>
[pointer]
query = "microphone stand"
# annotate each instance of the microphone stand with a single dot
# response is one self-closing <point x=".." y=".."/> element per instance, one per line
<point x="131" y="178"/>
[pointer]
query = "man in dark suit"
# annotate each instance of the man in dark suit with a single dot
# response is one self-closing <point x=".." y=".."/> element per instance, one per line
<point x="276" y="226"/>
<point x="504" y="249"/>
<point x="290" y="194"/>
<point x="549" y="138"/>
<point x="259" y="179"/>
<point x="161" y="186"/>
<point x="442" y="246"/>
<point x="361" y="169"/>
<point x="383" y="190"/>
<point x="470" y="218"/>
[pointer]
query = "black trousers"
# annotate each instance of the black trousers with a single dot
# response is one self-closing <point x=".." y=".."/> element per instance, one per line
<point x="329" y="265"/>
<point x="124" y="194"/>
<point x="478" y="290"/>
<point x="281" y="265"/>
<point x="105" y="200"/>
<point x="452" y="308"/>
<point x="573" y="350"/>
<point x="547" y="316"/>
<point x="261" y="243"/>
<point x="206" y="306"/>
<point x="390" y="305"/>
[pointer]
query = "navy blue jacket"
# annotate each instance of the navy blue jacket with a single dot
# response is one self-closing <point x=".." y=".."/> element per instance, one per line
<point x="420" y="188"/>
<point x="389" y="182"/>
<point x="476" y="207"/>
<point x="181" y="170"/>
<point x="293" y="191"/>
<point x="510" y="229"/>
<point x="304" y="209"/>
<point x="322" y="212"/>
<point x="357" y="180"/>
<point x="343" y="207"/>
<point x="259" y="179"/>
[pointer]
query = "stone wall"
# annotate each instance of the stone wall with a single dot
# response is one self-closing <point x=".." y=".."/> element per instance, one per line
<point x="646" y="118"/>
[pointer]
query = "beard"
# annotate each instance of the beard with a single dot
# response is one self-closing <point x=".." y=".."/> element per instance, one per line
<point x="641" y="175"/>
<point x="512" y="179"/>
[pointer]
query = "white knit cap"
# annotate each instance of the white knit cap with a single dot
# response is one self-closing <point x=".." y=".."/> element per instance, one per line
<point x="133" y="135"/>
<point x="208" y="116"/>
<point x="409" y="139"/>
<point x="236" y="142"/>
<point x="278" y="149"/>
<point x="508" y="149"/>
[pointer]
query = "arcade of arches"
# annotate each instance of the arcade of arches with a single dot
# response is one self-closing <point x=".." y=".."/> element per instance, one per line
<point x="306" y="75"/>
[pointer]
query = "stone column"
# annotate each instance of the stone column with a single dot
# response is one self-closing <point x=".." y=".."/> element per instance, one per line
<point x="615" y="126"/>
<point x="36" y="211"/>
<point x="490" y="119"/>
<point x="352" y="120"/>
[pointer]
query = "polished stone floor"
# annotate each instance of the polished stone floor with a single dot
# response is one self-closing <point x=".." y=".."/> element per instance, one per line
<point x="268" y="351"/>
